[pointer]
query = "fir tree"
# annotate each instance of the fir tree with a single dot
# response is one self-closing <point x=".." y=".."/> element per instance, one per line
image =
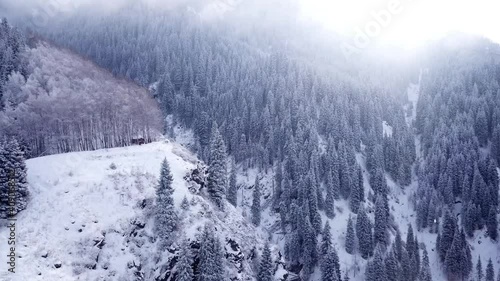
<point x="266" y="266"/>
<point x="380" y="225"/>
<point x="492" y="224"/>
<point x="328" y="270"/>
<point x="479" y="270"/>
<point x="184" y="265"/>
<point x="185" y="204"/>
<point x="350" y="242"/>
<point x="12" y="174"/>
<point x="425" y="271"/>
<point x="210" y="267"/>
<point x="392" y="267"/>
<point x="357" y="192"/>
<point x="256" y="202"/>
<point x="364" y="233"/>
<point x="398" y="245"/>
<point x="457" y="262"/>
<point x="330" y="198"/>
<point x="490" y="273"/>
<point x="326" y="240"/>
<point x="377" y="266"/>
<point x="217" y="168"/>
<point x="166" y="217"/>
<point x="447" y="234"/>
<point x="232" y="191"/>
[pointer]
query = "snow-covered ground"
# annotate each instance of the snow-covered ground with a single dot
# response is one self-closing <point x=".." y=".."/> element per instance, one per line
<point x="88" y="217"/>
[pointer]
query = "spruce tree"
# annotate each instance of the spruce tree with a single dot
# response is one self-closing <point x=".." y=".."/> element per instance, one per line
<point x="492" y="224"/>
<point x="266" y="265"/>
<point x="405" y="265"/>
<point x="217" y="168"/>
<point x="350" y="239"/>
<point x="364" y="233"/>
<point x="457" y="262"/>
<point x="447" y="234"/>
<point x="425" y="271"/>
<point x="490" y="273"/>
<point x="392" y="267"/>
<point x="330" y="198"/>
<point x="12" y="174"/>
<point x="256" y="202"/>
<point x="232" y="192"/>
<point x="185" y="204"/>
<point x="328" y="270"/>
<point x="380" y="226"/>
<point x="184" y="265"/>
<point x="166" y="217"/>
<point x="357" y="192"/>
<point x="479" y="270"/>
<point x="210" y="266"/>
<point x="378" y="265"/>
<point x="326" y="240"/>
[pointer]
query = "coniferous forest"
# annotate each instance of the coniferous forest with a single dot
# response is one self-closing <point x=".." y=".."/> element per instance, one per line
<point x="337" y="145"/>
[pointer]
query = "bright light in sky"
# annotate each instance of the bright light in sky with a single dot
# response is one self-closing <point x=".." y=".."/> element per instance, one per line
<point x="406" y="22"/>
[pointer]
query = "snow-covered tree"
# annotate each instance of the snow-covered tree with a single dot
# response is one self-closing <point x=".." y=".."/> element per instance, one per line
<point x="165" y="215"/>
<point x="184" y="267"/>
<point x="350" y="237"/>
<point x="217" y="168"/>
<point x="232" y="192"/>
<point x="364" y="234"/>
<point x="256" y="202"/>
<point x="266" y="270"/>
<point x="490" y="271"/>
<point x="185" y="204"/>
<point x="211" y="266"/>
<point x="425" y="271"/>
<point x="13" y="182"/>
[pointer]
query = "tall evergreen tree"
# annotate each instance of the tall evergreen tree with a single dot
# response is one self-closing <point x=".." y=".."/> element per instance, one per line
<point x="256" y="202"/>
<point x="479" y="269"/>
<point x="392" y="267"/>
<point x="447" y="234"/>
<point x="328" y="270"/>
<point x="364" y="233"/>
<point x="492" y="224"/>
<point x="490" y="273"/>
<point x="184" y="265"/>
<point x="217" y="168"/>
<point x="232" y="193"/>
<point x="425" y="271"/>
<point x="330" y="198"/>
<point x="357" y="191"/>
<point x="458" y="262"/>
<point x="326" y="240"/>
<point x="166" y="217"/>
<point x="210" y="266"/>
<point x="380" y="226"/>
<point x="350" y="237"/>
<point x="13" y="181"/>
<point x="266" y="271"/>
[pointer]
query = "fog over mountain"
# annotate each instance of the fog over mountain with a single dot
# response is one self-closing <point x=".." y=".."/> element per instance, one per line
<point x="249" y="140"/>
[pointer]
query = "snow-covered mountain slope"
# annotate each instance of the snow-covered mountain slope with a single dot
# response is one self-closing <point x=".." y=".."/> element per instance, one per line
<point x="89" y="217"/>
<point x="401" y="202"/>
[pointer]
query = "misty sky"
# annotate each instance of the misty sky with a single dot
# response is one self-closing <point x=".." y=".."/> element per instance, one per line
<point x="410" y="22"/>
<point x="415" y="20"/>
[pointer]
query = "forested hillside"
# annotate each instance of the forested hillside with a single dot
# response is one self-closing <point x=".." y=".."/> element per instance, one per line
<point x="55" y="102"/>
<point x="273" y="111"/>
<point x="458" y="117"/>
<point x="365" y="168"/>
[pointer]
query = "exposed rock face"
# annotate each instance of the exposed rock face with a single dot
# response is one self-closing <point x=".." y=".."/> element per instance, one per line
<point x="197" y="178"/>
